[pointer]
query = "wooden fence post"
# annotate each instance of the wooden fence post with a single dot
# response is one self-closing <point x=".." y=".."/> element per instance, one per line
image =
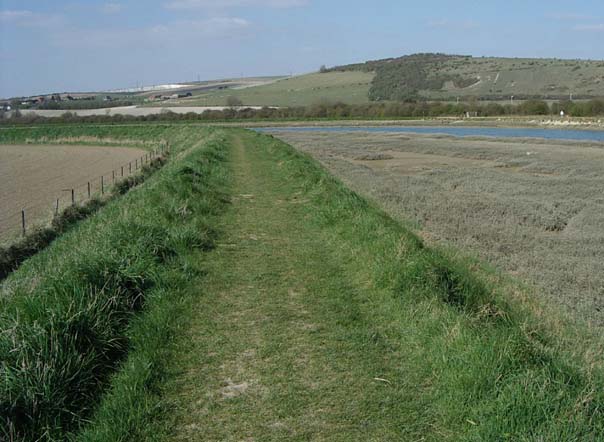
<point x="72" y="197"/>
<point x="57" y="208"/>
<point x="102" y="185"/>
<point x="88" y="189"/>
<point x="23" y="221"/>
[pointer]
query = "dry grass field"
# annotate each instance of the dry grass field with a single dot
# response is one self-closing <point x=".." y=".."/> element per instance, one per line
<point x="33" y="176"/>
<point x="533" y="209"/>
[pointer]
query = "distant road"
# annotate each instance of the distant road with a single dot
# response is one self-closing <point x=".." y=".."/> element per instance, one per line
<point x="128" y="110"/>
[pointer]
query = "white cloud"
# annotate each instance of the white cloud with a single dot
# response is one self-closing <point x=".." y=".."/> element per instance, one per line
<point x="29" y="19"/>
<point x="438" y="23"/>
<point x="112" y="8"/>
<point x="217" y="26"/>
<point x="567" y="16"/>
<point x="224" y="23"/>
<point x="453" y="25"/>
<point x="211" y="26"/>
<point x="223" y="4"/>
<point x="14" y="16"/>
<point x="181" y="33"/>
<point x="590" y="28"/>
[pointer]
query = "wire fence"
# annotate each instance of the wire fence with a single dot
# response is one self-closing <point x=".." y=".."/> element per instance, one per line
<point x="39" y="211"/>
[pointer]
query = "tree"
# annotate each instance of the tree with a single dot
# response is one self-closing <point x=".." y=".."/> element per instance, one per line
<point x="323" y="69"/>
<point x="534" y="107"/>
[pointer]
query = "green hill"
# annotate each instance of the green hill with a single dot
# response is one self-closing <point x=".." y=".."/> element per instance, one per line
<point x="303" y="90"/>
<point x="419" y="76"/>
<point x="446" y="77"/>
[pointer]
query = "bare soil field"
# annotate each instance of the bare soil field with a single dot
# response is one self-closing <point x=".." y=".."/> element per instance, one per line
<point x="532" y="209"/>
<point x="32" y="177"/>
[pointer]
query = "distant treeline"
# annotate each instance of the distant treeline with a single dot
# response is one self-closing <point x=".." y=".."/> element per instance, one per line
<point x="337" y="111"/>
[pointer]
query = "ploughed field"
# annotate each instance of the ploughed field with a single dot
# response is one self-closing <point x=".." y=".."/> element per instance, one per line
<point x="33" y="176"/>
<point x="534" y="209"/>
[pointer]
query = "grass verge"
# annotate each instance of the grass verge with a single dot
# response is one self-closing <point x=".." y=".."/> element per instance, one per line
<point x="99" y="295"/>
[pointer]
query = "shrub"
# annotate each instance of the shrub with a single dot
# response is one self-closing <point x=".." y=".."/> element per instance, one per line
<point x="233" y="101"/>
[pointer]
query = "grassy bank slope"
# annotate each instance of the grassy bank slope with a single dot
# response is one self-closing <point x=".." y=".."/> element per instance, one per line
<point x="108" y="291"/>
<point x="321" y="318"/>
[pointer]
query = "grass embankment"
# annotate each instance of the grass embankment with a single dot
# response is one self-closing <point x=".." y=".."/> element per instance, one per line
<point x="539" y="217"/>
<point x="321" y="318"/>
<point x="106" y="296"/>
<point x="14" y="251"/>
<point x="12" y="255"/>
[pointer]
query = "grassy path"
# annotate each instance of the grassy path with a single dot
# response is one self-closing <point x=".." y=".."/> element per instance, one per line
<point x="320" y="318"/>
<point x="271" y="354"/>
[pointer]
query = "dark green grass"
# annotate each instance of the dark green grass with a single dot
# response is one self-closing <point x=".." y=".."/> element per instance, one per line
<point x="66" y="314"/>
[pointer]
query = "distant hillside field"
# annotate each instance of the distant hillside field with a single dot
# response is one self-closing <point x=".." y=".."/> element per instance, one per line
<point x="420" y="76"/>
<point x="446" y="77"/>
<point x="351" y="87"/>
<point x="201" y="87"/>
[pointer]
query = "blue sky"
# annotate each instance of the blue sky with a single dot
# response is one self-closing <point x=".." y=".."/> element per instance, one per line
<point x="67" y="45"/>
